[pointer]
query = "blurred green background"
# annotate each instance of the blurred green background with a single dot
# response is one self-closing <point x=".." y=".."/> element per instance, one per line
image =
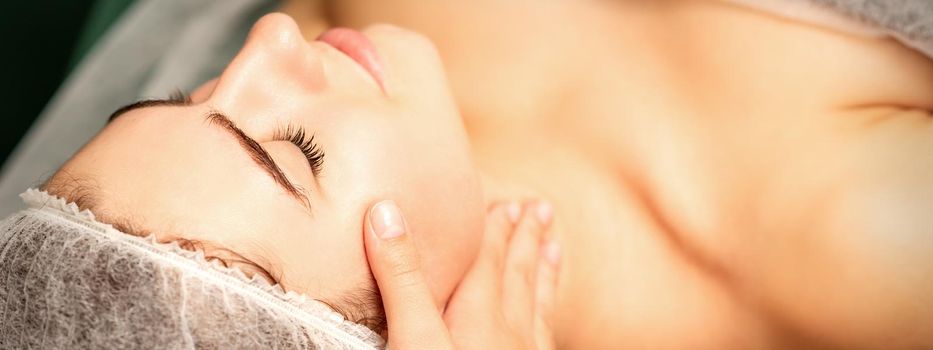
<point x="41" y="41"/>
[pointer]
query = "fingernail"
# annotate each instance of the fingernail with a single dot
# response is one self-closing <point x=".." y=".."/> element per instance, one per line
<point x="552" y="253"/>
<point x="545" y="213"/>
<point x="386" y="220"/>
<point x="515" y="211"/>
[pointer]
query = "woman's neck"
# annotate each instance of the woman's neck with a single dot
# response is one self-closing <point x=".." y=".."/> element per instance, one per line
<point x="571" y="120"/>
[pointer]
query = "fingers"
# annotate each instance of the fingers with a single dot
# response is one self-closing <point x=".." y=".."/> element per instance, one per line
<point x="476" y="306"/>
<point x="546" y="295"/>
<point x="481" y="287"/>
<point x="500" y="222"/>
<point x="413" y="319"/>
<point x="521" y="265"/>
<point x="509" y="293"/>
<point x="548" y="272"/>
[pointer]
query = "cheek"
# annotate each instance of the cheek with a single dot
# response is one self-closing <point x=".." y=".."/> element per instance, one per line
<point x="435" y="186"/>
<point x="444" y="209"/>
<point x="323" y="257"/>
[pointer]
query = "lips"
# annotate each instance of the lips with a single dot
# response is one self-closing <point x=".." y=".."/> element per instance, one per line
<point x="358" y="47"/>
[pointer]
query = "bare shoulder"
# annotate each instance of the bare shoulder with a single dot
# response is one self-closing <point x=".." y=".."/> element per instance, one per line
<point x="811" y="154"/>
<point x="796" y="58"/>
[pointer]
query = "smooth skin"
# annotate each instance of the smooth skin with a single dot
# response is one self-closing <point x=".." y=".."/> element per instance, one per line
<point x="505" y="300"/>
<point x="724" y="178"/>
<point x="171" y="171"/>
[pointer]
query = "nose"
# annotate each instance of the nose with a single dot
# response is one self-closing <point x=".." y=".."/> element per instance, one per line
<point x="275" y="62"/>
<point x="276" y="32"/>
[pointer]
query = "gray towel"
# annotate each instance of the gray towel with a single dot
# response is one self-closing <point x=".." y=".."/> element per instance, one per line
<point x="910" y="21"/>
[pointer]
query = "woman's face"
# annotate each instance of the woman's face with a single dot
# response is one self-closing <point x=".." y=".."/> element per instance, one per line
<point x="387" y="129"/>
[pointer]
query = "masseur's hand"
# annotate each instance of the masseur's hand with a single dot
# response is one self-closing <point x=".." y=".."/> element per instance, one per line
<point x="503" y="302"/>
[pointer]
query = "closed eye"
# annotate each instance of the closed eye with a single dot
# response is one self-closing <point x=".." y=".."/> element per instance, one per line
<point x="298" y="137"/>
<point x="255" y="151"/>
<point x="228" y="258"/>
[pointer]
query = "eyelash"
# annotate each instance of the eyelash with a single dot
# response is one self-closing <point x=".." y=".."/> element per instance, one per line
<point x="179" y="96"/>
<point x="234" y="260"/>
<point x="293" y="134"/>
<point x="298" y="137"/>
<point x="248" y="268"/>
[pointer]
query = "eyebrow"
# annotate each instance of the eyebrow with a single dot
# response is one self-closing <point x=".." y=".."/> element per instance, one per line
<point x="252" y="148"/>
<point x="259" y="156"/>
<point x="147" y="103"/>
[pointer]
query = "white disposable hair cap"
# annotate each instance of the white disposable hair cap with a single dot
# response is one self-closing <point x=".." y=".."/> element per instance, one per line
<point x="69" y="281"/>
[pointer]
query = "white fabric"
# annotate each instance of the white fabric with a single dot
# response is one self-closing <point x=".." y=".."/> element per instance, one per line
<point x="68" y="281"/>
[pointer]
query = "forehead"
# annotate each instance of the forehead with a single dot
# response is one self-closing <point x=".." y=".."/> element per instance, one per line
<point x="168" y="154"/>
<point x="169" y="171"/>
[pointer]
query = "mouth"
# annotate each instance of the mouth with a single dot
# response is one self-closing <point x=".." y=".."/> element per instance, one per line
<point x="358" y="47"/>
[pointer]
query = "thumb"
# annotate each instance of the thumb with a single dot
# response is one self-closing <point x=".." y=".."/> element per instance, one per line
<point x="412" y="317"/>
